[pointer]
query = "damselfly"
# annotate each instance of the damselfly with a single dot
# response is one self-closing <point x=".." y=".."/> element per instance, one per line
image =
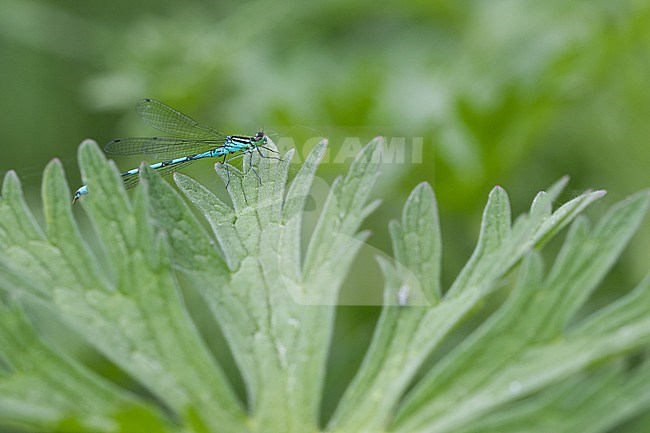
<point x="189" y="141"/>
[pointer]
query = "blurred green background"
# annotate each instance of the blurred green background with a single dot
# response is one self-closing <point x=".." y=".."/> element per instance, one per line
<point x="514" y="93"/>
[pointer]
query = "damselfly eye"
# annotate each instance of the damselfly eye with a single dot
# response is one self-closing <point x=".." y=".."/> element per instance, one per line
<point x="259" y="136"/>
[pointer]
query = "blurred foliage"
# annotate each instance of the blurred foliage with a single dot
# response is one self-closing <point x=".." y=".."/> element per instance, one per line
<point x="516" y="93"/>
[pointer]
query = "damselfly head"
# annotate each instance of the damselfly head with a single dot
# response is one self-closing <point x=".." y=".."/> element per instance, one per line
<point x="260" y="137"/>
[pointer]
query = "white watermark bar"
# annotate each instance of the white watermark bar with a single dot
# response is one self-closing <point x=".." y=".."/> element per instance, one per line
<point x="342" y="150"/>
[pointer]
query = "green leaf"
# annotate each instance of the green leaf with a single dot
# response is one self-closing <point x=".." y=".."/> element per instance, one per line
<point x="591" y="403"/>
<point x="130" y="310"/>
<point x="405" y="337"/>
<point x="261" y="309"/>
<point x="627" y="310"/>
<point x="275" y="302"/>
<point x="513" y="349"/>
<point x="417" y="243"/>
<point x="44" y="387"/>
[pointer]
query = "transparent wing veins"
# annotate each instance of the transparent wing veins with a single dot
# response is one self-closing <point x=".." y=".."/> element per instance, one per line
<point x="166" y="119"/>
<point x="161" y="147"/>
